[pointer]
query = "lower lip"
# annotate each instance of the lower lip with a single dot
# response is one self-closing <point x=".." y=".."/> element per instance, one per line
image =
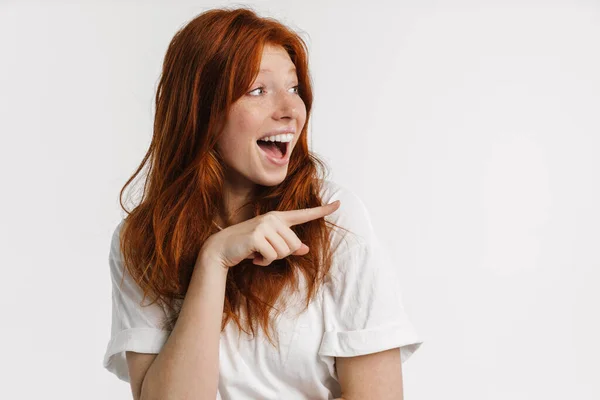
<point x="277" y="161"/>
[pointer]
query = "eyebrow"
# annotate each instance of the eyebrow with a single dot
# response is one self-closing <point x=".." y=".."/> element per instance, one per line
<point x="291" y="70"/>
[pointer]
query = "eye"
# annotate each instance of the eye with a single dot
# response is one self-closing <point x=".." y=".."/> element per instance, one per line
<point x="297" y="87"/>
<point x="260" y="87"/>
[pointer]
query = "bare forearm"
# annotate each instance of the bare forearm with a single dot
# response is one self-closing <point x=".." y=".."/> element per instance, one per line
<point x="187" y="366"/>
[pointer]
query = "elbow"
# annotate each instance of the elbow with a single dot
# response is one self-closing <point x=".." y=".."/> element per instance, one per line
<point x="146" y="393"/>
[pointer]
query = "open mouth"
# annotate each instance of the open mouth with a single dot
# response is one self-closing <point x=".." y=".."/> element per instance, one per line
<point x="274" y="149"/>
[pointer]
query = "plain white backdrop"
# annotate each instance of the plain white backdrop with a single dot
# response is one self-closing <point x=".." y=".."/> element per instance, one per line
<point x="468" y="128"/>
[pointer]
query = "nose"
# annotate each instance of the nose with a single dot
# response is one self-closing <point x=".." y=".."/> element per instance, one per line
<point x="286" y="105"/>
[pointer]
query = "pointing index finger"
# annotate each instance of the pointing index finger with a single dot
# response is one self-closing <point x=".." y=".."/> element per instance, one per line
<point x="296" y="217"/>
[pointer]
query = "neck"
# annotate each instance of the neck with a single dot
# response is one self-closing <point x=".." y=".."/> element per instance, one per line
<point x="234" y="197"/>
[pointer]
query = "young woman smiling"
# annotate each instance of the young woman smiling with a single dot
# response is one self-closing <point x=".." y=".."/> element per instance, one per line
<point x="266" y="279"/>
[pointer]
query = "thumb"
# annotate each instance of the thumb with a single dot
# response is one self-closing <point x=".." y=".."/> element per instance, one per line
<point x="302" y="250"/>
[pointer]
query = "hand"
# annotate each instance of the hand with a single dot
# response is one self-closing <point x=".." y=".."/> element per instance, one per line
<point x="264" y="238"/>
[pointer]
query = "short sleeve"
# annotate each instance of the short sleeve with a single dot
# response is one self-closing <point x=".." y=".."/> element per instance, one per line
<point x="362" y="301"/>
<point x="134" y="327"/>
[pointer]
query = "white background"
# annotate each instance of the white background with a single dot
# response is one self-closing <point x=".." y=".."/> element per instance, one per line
<point x="468" y="128"/>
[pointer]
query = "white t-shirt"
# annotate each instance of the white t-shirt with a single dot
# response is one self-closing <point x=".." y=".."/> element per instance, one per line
<point x="359" y="311"/>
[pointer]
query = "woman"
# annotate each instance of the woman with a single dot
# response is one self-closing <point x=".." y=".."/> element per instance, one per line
<point x="254" y="295"/>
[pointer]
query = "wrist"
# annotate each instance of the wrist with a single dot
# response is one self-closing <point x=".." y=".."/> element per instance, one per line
<point x="208" y="260"/>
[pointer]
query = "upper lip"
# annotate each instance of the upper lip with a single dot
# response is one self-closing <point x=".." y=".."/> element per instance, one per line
<point x="278" y="131"/>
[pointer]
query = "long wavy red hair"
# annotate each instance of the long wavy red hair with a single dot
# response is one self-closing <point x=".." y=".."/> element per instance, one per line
<point x="209" y="64"/>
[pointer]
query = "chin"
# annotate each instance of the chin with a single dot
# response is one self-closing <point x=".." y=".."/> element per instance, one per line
<point x="272" y="179"/>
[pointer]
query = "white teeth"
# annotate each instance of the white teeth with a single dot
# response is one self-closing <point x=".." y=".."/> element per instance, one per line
<point x="287" y="137"/>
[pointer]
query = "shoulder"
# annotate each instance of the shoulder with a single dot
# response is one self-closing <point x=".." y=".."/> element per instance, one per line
<point x="352" y="215"/>
<point x="115" y="241"/>
<point x="116" y="233"/>
<point x="115" y="258"/>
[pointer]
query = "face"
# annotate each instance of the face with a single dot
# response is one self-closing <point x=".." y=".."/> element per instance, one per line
<point x="272" y="104"/>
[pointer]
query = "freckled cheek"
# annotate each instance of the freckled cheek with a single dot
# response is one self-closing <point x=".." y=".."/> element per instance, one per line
<point x="301" y="120"/>
<point x="302" y="112"/>
<point x="249" y="125"/>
